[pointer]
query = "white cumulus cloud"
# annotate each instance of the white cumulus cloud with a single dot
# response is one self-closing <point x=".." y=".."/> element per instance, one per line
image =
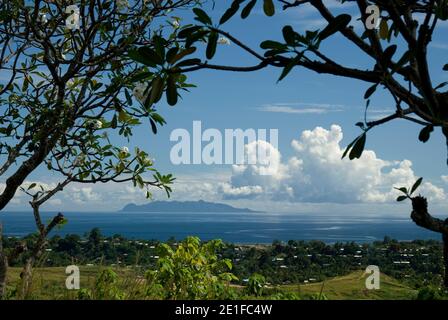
<point x="317" y="174"/>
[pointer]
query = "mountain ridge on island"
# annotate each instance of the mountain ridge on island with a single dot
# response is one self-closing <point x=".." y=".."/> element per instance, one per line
<point x="183" y="206"/>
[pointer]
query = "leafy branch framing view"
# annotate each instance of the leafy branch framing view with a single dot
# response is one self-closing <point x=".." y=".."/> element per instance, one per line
<point x="69" y="90"/>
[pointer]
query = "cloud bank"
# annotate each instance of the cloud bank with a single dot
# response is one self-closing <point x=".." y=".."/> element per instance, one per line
<point x="313" y="177"/>
<point x="316" y="174"/>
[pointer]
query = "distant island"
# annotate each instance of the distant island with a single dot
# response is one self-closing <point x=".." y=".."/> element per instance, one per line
<point x="183" y="206"/>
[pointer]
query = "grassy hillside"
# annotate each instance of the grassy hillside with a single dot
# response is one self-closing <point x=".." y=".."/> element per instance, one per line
<point x="49" y="283"/>
<point x="352" y="286"/>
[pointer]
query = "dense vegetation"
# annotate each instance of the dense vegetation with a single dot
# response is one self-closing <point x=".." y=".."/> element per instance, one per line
<point x="191" y="269"/>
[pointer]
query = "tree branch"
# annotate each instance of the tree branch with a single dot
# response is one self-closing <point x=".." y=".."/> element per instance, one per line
<point x="422" y="218"/>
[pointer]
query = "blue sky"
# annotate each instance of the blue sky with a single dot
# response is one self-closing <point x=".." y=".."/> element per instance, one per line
<point x="303" y="101"/>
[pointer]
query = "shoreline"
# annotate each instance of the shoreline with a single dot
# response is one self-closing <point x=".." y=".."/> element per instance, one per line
<point x="236" y="244"/>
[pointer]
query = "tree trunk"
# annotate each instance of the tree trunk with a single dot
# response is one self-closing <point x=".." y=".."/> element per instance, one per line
<point x="3" y="271"/>
<point x="3" y="266"/>
<point x="27" y="276"/>
<point x="27" y="273"/>
<point x="445" y="260"/>
<point x="422" y="218"/>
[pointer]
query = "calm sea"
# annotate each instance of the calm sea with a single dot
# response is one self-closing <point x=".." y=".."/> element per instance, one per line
<point x="232" y="227"/>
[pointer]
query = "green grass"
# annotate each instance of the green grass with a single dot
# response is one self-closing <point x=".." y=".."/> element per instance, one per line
<point x="352" y="287"/>
<point x="49" y="283"/>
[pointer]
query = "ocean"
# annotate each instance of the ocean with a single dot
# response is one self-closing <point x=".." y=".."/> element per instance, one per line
<point x="231" y="227"/>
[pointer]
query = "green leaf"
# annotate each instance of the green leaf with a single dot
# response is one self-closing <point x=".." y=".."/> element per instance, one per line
<point x="441" y="85"/>
<point x="123" y="116"/>
<point x="230" y="12"/>
<point x="128" y="97"/>
<point x="401" y="198"/>
<point x="269" y="8"/>
<point x="4" y="15"/>
<point x="25" y="84"/>
<point x="171" y="54"/>
<point x="138" y="56"/>
<point x="114" y="122"/>
<point x="335" y="25"/>
<point x="211" y="45"/>
<point x="201" y="16"/>
<point x="199" y="35"/>
<point x="248" y="9"/>
<point x="32" y="186"/>
<point x="159" y="47"/>
<point x="171" y="91"/>
<point x="153" y="126"/>
<point x="292" y="63"/>
<point x="370" y="91"/>
<point x="228" y="263"/>
<point x="416" y="185"/>
<point x="347" y="149"/>
<point x="158" y="118"/>
<point x="403" y="60"/>
<point x="274" y="52"/>
<point x="189" y="62"/>
<point x="425" y="134"/>
<point x="358" y="148"/>
<point x="384" y="29"/>
<point x="156" y="90"/>
<point x="388" y="54"/>
<point x="270" y="44"/>
<point x="141" y="76"/>
<point x="151" y="55"/>
<point x="183" y="54"/>
<point x="402" y="189"/>
<point x="289" y="35"/>
<point x="185" y="33"/>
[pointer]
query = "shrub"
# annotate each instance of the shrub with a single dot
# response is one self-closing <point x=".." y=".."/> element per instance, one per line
<point x="193" y="270"/>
